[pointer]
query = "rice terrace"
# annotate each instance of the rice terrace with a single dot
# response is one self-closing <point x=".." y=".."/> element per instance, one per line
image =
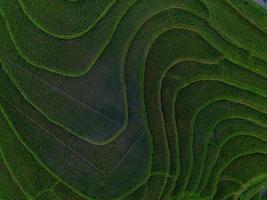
<point x="133" y="100"/>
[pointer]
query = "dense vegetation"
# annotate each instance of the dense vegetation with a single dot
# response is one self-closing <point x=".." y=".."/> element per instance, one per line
<point x="133" y="100"/>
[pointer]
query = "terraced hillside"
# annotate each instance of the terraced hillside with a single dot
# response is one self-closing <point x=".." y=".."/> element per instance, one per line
<point x="133" y="100"/>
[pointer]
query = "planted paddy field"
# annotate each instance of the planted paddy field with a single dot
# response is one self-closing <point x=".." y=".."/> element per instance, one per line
<point x="133" y="100"/>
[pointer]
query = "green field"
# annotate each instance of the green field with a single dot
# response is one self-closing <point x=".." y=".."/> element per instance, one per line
<point x="133" y="100"/>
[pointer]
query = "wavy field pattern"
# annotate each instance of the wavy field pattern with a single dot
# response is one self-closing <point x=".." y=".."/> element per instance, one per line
<point x="133" y="100"/>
